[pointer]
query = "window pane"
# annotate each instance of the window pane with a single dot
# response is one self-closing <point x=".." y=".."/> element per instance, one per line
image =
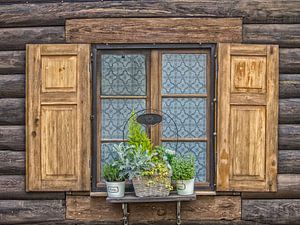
<point x="106" y="154"/>
<point x="196" y="148"/>
<point x="189" y="114"/>
<point x="123" y="75"/>
<point x="184" y="73"/>
<point x="115" y="113"/>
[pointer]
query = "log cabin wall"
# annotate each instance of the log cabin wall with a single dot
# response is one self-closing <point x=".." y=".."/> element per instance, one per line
<point x="35" y="21"/>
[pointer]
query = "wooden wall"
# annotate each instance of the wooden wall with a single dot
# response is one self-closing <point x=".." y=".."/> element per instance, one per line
<point x="30" y="21"/>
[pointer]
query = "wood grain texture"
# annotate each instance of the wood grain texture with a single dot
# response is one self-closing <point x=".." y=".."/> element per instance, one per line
<point x="12" y="111"/>
<point x="289" y="111"/>
<point x="56" y="13"/>
<point x="205" y="207"/>
<point x="279" y="211"/>
<point x="19" y="37"/>
<point x="289" y="60"/>
<point x="285" y="35"/>
<point x="12" y="86"/>
<point x="289" y="136"/>
<point x="12" y="162"/>
<point x="289" y="162"/>
<point x="12" y="187"/>
<point x="22" y="211"/>
<point x="154" y="30"/>
<point x="12" y="138"/>
<point x="289" y="86"/>
<point x="12" y="62"/>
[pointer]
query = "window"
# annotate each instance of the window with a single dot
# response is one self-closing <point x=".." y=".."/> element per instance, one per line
<point x="175" y="79"/>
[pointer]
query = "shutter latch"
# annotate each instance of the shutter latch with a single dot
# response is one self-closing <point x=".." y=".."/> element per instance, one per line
<point x="92" y="117"/>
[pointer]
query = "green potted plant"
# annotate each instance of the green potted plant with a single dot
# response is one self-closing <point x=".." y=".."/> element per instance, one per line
<point x="183" y="168"/>
<point x="115" y="181"/>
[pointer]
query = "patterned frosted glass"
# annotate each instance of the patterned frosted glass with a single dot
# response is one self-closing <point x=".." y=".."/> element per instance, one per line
<point x="189" y="114"/>
<point x="196" y="148"/>
<point x="123" y="75"/>
<point x="184" y="73"/>
<point x="107" y="154"/>
<point x="115" y="113"/>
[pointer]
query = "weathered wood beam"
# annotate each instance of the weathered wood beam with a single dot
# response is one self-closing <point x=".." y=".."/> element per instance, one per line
<point x="289" y="162"/>
<point x="275" y="211"/>
<point x="12" y="62"/>
<point x="288" y="187"/>
<point x="17" y="38"/>
<point x="12" y="86"/>
<point x="262" y="11"/>
<point x="13" y="187"/>
<point x="289" y="136"/>
<point x="22" y="211"/>
<point x="12" y="162"/>
<point x="286" y="35"/>
<point x="205" y="207"/>
<point x="289" y="111"/>
<point x="154" y="30"/>
<point x="289" y="60"/>
<point x="12" y="111"/>
<point x="12" y="138"/>
<point x="289" y="86"/>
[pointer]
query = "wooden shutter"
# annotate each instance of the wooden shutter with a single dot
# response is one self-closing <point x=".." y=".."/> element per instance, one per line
<point x="58" y="117"/>
<point x="247" y="117"/>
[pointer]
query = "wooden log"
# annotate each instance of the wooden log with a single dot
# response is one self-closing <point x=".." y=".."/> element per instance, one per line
<point x="12" y="86"/>
<point x="262" y="11"/>
<point x="12" y="162"/>
<point x="286" y="35"/>
<point x="154" y="30"/>
<point x="12" y="62"/>
<point x="289" y="136"/>
<point x="13" y="187"/>
<point x="12" y="138"/>
<point x="289" y="86"/>
<point x="289" y="110"/>
<point x="12" y="111"/>
<point x="17" y="38"/>
<point x="22" y="211"/>
<point x="289" y="162"/>
<point x="275" y="211"/>
<point x="288" y="188"/>
<point x="289" y="60"/>
<point x="217" y="207"/>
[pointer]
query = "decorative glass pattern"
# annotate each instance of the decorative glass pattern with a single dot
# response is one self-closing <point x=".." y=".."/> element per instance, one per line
<point x="196" y="148"/>
<point x="184" y="73"/>
<point x="123" y="75"/>
<point x="115" y="113"/>
<point x="189" y="114"/>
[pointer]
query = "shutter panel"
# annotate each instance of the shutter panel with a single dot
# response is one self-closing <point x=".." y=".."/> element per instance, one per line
<point x="247" y="117"/>
<point x="58" y="117"/>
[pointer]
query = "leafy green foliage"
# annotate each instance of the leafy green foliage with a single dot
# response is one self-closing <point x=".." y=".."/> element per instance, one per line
<point x="183" y="167"/>
<point x="112" y="173"/>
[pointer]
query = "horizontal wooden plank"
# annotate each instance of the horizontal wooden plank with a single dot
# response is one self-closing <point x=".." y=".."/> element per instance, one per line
<point x="289" y="110"/>
<point x="275" y="211"/>
<point x="153" y="30"/>
<point x="19" y="37"/>
<point x="289" y="60"/>
<point x="12" y="162"/>
<point x="289" y="136"/>
<point x="289" y="86"/>
<point x="288" y="187"/>
<point x="262" y="11"/>
<point x="22" y="211"/>
<point x="286" y="35"/>
<point x="12" y="86"/>
<point x="12" y="62"/>
<point x="205" y="207"/>
<point x="289" y="162"/>
<point x="12" y="138"/>
<point x="13" y="187"/>
<point x="12" y="111"/>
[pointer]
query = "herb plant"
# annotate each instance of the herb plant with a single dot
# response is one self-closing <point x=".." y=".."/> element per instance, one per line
<point x="112" y="173"/>
<point x="183" y="167"/>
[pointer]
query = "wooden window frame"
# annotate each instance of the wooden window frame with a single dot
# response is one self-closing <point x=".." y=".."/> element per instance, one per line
<point x="155" y="51"/>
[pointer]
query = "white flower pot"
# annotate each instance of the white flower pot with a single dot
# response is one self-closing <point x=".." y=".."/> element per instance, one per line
<point x="115" y="189"/>
<point x="185" y="187"/>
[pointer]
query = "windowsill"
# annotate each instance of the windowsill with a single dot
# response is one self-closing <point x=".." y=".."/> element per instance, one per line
<point x="200" y="193"/>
